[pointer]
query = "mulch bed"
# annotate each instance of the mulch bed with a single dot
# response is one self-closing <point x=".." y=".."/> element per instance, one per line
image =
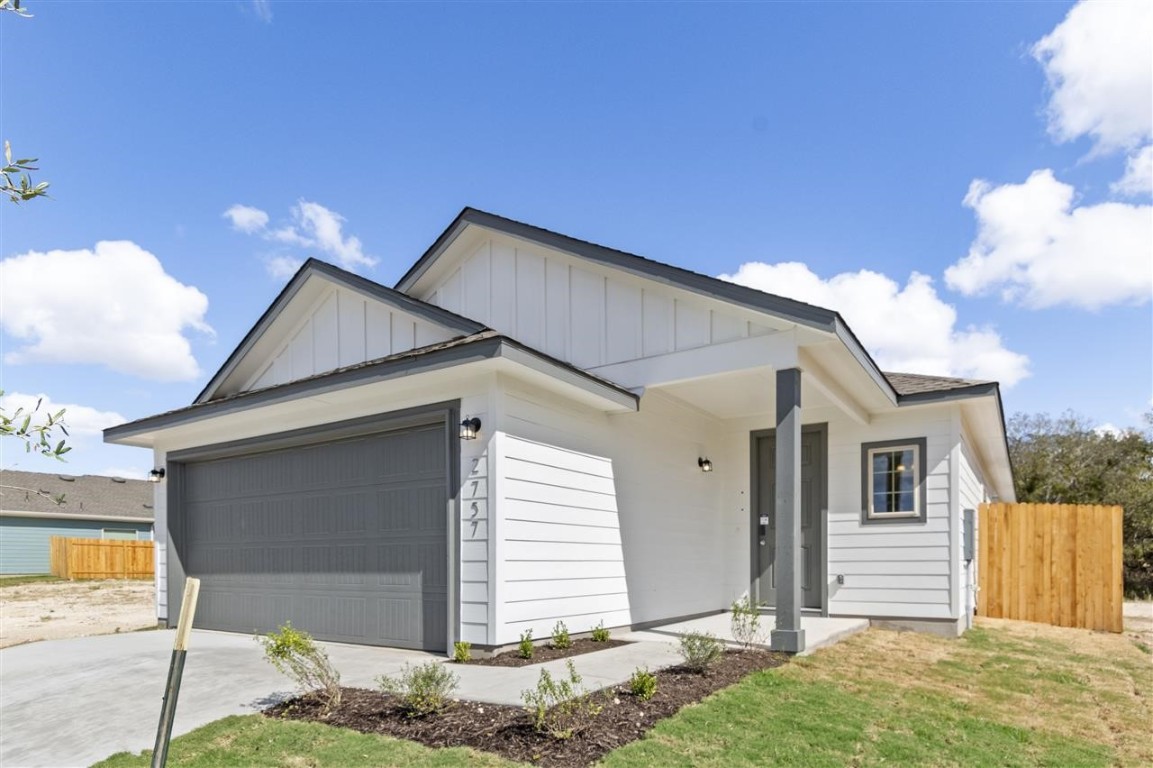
<point x="508" y="731"/>
<point x="543" y="653"/>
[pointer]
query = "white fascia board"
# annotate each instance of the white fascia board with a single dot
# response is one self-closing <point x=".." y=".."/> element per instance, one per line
<point x="776" y="350"/>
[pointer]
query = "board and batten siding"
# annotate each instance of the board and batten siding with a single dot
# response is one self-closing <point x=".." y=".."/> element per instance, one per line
<point x="577" y="312"/>
<point x="24" y="541"/>
<point x="345" y="328"/>
<point x="898" y="570"/>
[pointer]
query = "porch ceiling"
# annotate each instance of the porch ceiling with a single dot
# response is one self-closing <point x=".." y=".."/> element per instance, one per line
<point x="751" y="392"/>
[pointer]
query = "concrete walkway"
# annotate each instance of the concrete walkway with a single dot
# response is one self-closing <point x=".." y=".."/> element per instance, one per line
<point x="73" y="702"/>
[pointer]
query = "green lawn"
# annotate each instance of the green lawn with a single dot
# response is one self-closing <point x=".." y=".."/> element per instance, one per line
<point x="254" y="741"/>
<point x="1007" y="694"/>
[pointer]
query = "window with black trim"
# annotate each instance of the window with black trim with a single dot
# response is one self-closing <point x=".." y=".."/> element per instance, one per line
<point x="893" y="481"/>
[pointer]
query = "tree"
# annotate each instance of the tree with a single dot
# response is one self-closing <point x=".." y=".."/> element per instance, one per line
<point x="1066" y="461"/>
<point x="14" y="179"/>
<point x="37" y="434"/>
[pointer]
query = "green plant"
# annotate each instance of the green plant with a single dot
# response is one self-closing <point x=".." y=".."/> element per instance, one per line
<point x="745" y="622"/>
<point x="423" y="689"/>
<point x="462" y="651"/>
<point x="600" y="634"/>
<point x="560" y="636"/>
<point x="643" y="684"/>
<point x="525" y="647"/>
<point x="560" y="707"/>
<point x="700" y="650"/>
<point x="295" y="654"/>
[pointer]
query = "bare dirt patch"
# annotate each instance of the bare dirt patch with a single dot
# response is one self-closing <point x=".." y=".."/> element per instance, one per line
<point x="52" y="611"/>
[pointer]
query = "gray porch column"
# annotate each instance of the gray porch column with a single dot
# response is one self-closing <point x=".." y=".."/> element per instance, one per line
<point x="788" y="635"/>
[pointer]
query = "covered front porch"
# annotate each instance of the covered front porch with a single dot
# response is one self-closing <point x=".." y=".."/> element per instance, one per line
<point x="769" y="406"/>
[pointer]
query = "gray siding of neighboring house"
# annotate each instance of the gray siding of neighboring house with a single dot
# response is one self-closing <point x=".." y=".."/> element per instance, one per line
<point x="24" y="540"/>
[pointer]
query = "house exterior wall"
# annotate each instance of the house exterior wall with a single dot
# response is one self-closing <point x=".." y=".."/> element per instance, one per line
<point x="474" y="393"/>
<point x="900" y="570"/>
<point x="973" y="492"/>
<point x="603" y="518"/>
<point x="345" y="328"/>
<point x="24" y="540"/>
<point x="566" y="307"/>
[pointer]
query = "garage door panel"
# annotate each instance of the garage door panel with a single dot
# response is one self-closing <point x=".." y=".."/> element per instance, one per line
<point x="346" y="540"/>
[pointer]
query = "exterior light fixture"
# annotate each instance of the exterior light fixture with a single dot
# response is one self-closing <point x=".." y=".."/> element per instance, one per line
<point x="469" y="428"/>
<point x="705" y="464"/>
<point x="156" y="475"/>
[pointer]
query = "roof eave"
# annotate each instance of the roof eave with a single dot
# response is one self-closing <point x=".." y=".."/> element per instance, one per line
<point x="473" y="351"/>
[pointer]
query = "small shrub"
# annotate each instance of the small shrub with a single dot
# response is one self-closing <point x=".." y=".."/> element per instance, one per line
<point x="560" y="637"/>
<point x="643" y="684"/>
<point x="462" y="651"/>
<point x="525" y="647"/>
<point x="745" y="622"/>
<point x="561" y="707"/>
<point x="422" y="690"/>
<point x="700" y="650"/>
<point x="600" y="634"/>
<point x="295" y="654"/>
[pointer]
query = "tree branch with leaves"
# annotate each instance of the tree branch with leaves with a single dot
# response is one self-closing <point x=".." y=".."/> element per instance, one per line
<point x="15" y="181"/>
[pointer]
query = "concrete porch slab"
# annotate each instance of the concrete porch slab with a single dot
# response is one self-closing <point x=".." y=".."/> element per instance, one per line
<point x="820" y="631"/>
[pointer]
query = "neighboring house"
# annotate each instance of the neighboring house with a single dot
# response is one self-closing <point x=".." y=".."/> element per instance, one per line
<point x="326" y="473"/>
<point x="93" y="507"/>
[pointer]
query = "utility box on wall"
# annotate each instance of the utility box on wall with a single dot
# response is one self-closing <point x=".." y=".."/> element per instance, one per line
<point x="969" y="528"/>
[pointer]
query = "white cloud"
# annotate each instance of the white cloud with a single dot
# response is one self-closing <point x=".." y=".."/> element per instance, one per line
<point x="906" y="328"/>
<point x="246" y="219"/>
<point x="1138" y="178"/>
<point x="1110" y="429"/>
<point x="263" y="9"/>
<point x="1097" y="62"/>
<point x="282" y="267"/>
<point x="113" y="306"/>
<point x="312" y="227"/>
<point x="81" y="420"/>
<point x="1038" y="249"/>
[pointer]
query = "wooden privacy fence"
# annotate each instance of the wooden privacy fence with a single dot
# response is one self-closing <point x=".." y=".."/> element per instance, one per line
<point x="101" y="558"/>
<point x="1051" y="563"/>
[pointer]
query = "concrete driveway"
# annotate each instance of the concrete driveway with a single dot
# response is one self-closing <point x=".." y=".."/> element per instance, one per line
<point x="73" y="702"/>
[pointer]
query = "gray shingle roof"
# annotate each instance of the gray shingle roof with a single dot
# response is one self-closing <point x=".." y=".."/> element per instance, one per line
<point x="915" y="383"/>
<point x="84" y="495"/>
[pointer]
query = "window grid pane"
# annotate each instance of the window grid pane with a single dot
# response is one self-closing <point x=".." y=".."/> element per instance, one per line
<point x="894" y="481"/>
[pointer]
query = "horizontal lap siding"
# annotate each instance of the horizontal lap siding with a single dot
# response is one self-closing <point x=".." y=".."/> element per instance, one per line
<point x="900" y="570"/>
<point x="560" y="540"/>
<point x="24" y="540"/>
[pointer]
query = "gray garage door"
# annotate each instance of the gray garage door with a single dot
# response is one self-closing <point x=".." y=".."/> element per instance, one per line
<point x="346" y="540"/>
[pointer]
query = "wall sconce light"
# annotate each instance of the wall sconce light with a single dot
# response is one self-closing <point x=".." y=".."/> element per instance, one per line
<point x="705" y="464"/>
<point x="469" y="428"/>
<point x="156" y="475"/>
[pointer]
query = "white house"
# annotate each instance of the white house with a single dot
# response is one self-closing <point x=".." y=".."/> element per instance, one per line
<point x="531" y="427"/>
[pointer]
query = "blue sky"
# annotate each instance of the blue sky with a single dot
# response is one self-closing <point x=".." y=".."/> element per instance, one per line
<point x="994" y="187"/>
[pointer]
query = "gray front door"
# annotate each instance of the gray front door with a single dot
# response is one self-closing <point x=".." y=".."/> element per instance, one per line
<point x="347" y="539"/>
<point x="813" y="492"/>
